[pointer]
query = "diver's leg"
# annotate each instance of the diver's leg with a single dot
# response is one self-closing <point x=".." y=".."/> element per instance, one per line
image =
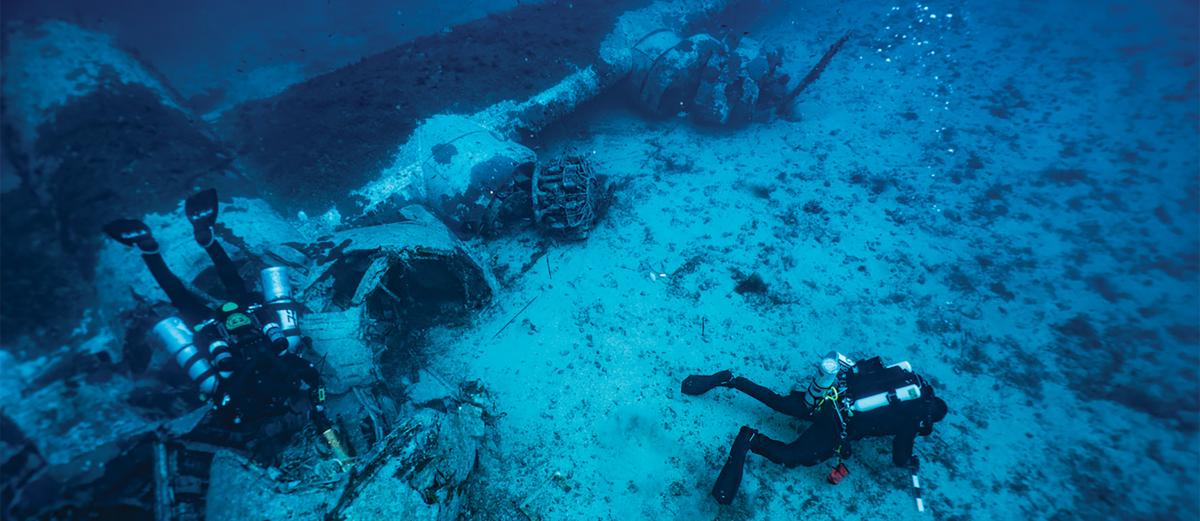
<point x="815" y="445"/>
<point x="310" y="379"/>
<point x="730" y="477"/>
<point x="192" y="308"/>
<point x="791" y="405"/>
<point x="130" y="232"/>
<point x="228" y="273"/>
<point x="201" y="209"/>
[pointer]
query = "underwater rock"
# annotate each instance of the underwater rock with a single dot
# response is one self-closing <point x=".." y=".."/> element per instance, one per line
<point x="93" y="135"/>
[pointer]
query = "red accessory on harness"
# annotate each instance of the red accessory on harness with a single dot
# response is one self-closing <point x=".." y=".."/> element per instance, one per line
<point x="838" y="472"/>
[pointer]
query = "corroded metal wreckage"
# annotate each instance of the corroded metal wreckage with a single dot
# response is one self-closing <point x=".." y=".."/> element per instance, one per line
<point x="715" y="81"/>
<point x="568" y="196"/>
<point x="400" y="142"/>
<point x="417" y="471"/>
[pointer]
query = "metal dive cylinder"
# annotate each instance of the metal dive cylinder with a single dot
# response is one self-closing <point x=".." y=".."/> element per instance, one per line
<point x="277" y="296"/>
<point x="900" y="394"/>
<point x="179" y="342"/>
<point x="825" y="377"/>
<point x="221" y="358"/>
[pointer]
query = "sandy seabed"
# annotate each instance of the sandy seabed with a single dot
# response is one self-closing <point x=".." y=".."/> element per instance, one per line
<point x="1004" y="196"/>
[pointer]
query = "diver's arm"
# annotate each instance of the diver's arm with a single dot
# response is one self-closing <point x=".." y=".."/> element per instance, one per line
<point x="902" y="447"/>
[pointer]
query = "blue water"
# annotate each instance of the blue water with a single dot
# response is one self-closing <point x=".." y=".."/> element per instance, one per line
<point x="1005" y="194"/>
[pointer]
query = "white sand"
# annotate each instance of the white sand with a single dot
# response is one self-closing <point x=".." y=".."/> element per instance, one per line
<point x="587" y="377"/>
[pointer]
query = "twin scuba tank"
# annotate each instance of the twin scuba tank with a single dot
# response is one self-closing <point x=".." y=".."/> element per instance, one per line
<point x="865" y="386"/>
<point x="277" y="297"/>
<point x="206" y="367"/>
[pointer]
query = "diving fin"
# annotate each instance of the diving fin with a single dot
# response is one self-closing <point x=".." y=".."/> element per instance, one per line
<point x="132" y="232"/>
<point x="730" y="478"/>
<point x="201" y="210"/>
<point x="696" y="385"/>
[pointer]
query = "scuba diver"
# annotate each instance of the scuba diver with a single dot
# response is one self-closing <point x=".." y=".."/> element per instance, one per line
<point x="846" y="401"/>
<point x="243" y="354"/>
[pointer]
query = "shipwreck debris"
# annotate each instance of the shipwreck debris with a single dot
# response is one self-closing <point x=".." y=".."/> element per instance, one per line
<point x="568" y="196"/>
<point x="785" y="106"/>
<point x="718" y="82"/>
<point x="557" y="479"/>
<point x="417" y="472"/>
<point x="413" y="271"/>
<point x="398" y="129"/>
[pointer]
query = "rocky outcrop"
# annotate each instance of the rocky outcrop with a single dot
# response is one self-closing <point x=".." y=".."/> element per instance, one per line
<point x="93" y="135"/>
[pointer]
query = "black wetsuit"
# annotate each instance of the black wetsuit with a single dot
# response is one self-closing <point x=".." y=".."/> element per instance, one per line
<point x="265" y="377"/>
<point x="821" y="440"/>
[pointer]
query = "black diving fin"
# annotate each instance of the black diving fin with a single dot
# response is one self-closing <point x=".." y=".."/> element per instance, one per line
<point x="730" y="478"/>
<point x="696" y="385"/>
<point x="201" y="210"/>
<point x="131" y="232"/>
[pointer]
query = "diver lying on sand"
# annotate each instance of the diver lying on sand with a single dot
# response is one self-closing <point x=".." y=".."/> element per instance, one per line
<point x="846" y="402"/>
<point x="244" y="353"/>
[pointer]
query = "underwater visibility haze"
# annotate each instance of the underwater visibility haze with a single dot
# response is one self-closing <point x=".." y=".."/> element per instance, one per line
<point x="600" y="259"/>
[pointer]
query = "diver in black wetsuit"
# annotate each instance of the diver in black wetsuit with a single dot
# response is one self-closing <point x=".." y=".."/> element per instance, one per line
<point x="256" y="372"/>
<point x="845" y="402"/>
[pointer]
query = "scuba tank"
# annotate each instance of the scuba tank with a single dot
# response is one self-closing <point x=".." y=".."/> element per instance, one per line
<point x="179" y="342"/>
<point x="277" y="297"/>
<point x="875" y="386"/>
<point x="825" y="378"/>
<point x="221" y="358"/>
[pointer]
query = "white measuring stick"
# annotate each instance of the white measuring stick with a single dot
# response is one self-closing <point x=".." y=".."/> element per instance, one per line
<point x="917" y="488"/>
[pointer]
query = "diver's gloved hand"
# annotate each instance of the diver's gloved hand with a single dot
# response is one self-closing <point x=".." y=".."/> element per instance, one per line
<point x="914" y="464"/>
<point x="696" y="385"/>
